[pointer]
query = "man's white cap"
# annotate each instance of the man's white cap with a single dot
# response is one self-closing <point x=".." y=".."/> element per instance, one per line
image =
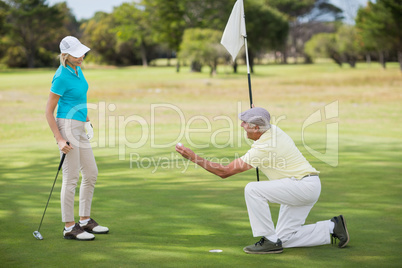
<point x="73" y="46"/>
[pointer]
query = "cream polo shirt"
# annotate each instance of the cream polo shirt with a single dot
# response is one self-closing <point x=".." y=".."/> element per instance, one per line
<point x="277" y="156"/>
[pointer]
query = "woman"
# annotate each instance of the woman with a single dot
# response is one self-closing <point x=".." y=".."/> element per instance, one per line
<point x="69" y="93"/>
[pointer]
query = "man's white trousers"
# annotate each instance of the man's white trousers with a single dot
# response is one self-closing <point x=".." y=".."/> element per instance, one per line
<point x="296" y="198"/>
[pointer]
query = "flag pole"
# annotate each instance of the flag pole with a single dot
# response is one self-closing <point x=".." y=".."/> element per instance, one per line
<point x="232" y="40"/>
<point x="249" y="89"/>
<point x="248" y="73"/>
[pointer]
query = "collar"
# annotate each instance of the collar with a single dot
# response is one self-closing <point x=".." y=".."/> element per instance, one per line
<point x="267" y="135"/>
<point x="68" y="67"/>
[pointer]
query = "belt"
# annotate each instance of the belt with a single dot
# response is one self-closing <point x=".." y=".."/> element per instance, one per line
<point x="309" y="175"/>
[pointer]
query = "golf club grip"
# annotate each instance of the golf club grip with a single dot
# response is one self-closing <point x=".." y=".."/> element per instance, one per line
<point x="62" y="158"/>
<point x="61" y="161"/>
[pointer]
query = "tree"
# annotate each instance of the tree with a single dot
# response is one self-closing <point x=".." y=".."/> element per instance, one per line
<point x="378" y="27"/>
<point x="97" y="35"/>
<point x="32" y="25"/>
<point x="306" y="18"/>
<point x="170" y="18"/>
<point x="324" y="45"/>
<point x="395" y="8"/>
<point x="210" y="14"/>
<point x="342" y="46"/>
<point x="267" y="29"/>
<point x="293" y="8"/>
<point x="201" y="47"/>
<point x="132" y="23"/>
<point x="70" y="26"/>
<point x="3" y="27"/>
<point x="3" y="15"/>
<point x="347" y="44"/>
<point x="167" y="22"/>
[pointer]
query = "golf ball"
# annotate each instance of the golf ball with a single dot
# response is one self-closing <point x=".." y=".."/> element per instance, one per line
<point x="179" y="144"/>
<point x="215" y="250"/>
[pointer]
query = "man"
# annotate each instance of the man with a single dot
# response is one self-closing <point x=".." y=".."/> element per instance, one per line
<point x="293" y="183"/>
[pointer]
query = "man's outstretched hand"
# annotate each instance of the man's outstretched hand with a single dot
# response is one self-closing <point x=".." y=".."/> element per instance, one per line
<point x="185" y="152"/>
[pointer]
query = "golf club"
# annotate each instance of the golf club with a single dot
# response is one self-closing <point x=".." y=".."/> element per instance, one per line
<point x="37" y="234"/>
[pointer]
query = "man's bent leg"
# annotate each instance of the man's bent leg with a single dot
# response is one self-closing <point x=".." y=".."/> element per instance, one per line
<point x="293" y="233"/>
<point x="258" y="210"/>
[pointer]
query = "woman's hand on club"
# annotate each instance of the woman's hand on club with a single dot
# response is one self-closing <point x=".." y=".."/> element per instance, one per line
<point x="64" y="146"/>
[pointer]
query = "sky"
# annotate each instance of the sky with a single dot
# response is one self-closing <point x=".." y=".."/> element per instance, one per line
<point x="86" y="9"/>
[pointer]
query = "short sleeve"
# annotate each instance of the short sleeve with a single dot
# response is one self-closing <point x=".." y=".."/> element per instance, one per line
<point x="248" y="158"/>
<point x="58" y="87"/>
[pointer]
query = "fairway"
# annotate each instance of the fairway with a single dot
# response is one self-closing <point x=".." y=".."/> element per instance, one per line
<point x="163" y="211"/>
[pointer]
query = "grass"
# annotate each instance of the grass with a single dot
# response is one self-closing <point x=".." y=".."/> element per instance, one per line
<point x="169" y="213"/>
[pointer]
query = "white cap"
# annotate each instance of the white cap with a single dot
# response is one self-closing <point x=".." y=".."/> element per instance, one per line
<point x="73" y="46"/>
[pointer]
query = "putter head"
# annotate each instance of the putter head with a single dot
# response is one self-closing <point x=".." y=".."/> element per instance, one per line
<point x="37" y="235"/>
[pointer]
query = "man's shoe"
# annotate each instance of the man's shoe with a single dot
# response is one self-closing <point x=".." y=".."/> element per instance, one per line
<point x="78" y="233"/>
<point x="93" y="227"/>
<point x="264" y="246"/>
<point x="340" y="231"/>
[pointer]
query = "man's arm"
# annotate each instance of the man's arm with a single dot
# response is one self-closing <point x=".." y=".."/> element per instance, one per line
<point x="236" y="166"/>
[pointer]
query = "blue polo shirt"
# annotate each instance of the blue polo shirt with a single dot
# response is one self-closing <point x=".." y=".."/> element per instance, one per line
<point x="72" y="89"/>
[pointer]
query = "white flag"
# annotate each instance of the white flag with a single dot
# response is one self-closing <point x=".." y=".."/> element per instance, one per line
<point x="235" y="31"/>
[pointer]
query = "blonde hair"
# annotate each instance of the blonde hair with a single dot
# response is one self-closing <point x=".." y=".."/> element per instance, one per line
<point x="63" y="57"/>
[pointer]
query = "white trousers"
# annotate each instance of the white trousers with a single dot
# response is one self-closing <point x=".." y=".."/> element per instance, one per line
<point x="296" y="198"/>
<point x="81" y="158"/>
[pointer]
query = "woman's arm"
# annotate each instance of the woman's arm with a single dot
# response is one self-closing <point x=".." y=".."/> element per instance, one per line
<point x="50" y="107"/>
